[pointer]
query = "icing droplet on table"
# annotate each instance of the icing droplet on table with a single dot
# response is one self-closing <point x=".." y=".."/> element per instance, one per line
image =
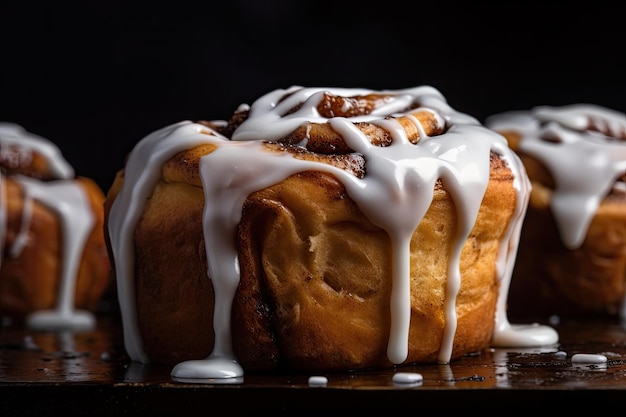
<point x="318" y="381"/>
<point x="410" y="378"/>
<point x="589" y="358"/>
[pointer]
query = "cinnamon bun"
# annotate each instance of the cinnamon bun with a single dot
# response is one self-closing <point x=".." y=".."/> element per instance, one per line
<point x="572" y="255"/>
<point x="54" y="266"/>
<point x="319" y="229"/>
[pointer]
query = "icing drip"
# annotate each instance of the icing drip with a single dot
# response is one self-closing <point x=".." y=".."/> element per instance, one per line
<point x="70" y="203"/>
<point x="584" y="148"/>
<point x="402" y="173"/>
<point x="140" y="176"/>
<point x="68" y="200"/>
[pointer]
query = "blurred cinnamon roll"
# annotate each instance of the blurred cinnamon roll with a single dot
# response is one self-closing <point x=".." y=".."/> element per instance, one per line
<point x="54" y="261"/>
<point x="572" y="256"/>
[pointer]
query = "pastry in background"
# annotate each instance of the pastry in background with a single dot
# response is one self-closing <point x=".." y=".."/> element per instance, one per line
<point x="572" y="255"/>
<point x="340" y="229"/>
<point x="54" y="266"/>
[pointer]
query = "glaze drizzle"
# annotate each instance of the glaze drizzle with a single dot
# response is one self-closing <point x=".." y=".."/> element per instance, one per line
<point x="63" y="196"/>
<point x="402" y="173"/>
<point x="584" y="148"/>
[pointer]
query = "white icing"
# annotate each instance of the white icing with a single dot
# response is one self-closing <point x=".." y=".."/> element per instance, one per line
<point x="17" y="146"/>
<point x="317" y="381"/>
<point x="395" y="194"/>
<point x="410" y="378"/>
<point x="68" y="200"/>
<point x="71" y="204"/>
<point x="585" y="164"/>
<point x="589" y="358"/>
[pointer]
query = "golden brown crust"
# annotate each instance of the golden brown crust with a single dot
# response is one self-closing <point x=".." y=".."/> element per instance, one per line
<point x="321" y="138"/>
<point x="173" y="295"/>
<point x="552" y="279"/>
<point x="340" y="106"/>
<point x="30" y="281"/>
<point x="315" y="273"/>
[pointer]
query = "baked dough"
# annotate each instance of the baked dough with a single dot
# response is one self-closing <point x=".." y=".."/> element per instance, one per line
<point x="572" y="254"/>
<point x="341" y="229"/>
<point x="52" y="233"/>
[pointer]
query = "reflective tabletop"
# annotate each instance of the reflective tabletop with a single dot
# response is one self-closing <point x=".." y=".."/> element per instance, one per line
<point x="89" y="371"/>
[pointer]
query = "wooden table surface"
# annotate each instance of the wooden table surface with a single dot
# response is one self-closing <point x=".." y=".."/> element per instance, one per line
<point x="89" y="373"/>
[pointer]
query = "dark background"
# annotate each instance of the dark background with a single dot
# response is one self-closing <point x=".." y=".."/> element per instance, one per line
<point x="96" y="76"/>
